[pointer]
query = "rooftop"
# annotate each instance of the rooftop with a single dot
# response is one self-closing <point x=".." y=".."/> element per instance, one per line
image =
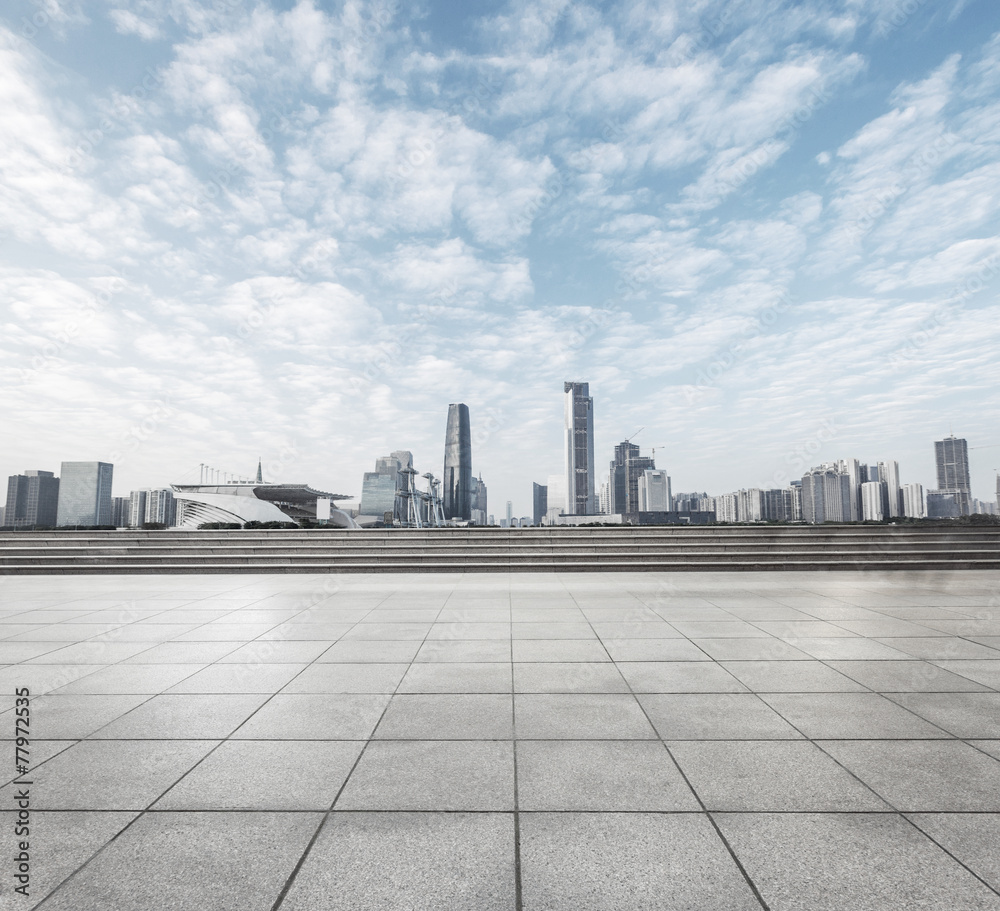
<point x="792" y="740"/>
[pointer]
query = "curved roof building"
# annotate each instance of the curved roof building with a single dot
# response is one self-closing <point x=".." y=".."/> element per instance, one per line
<point x="253" y="502"/>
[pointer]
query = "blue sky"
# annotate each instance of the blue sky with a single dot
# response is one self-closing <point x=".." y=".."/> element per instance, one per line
<point x="765" y="232"/>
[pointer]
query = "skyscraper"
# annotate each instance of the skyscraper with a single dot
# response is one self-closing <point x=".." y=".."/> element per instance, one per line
<point x="458" y="464"/>
<point x="137" y="508"/>
<point x="826" y="495"/>
<point x="85" y="493"/>
<point x="952" y="458"/>
<point x="888" y="475"/>
<point x="480" y="513"/>
<point x="913" y="501"/>
<point x="579" y="425"/>
<point x="873" y="501"/>
<point x="161" y="507"/>
<point x="539" y="502"/>
<point x="654" y="491"/>
<point x="32" y="499"/>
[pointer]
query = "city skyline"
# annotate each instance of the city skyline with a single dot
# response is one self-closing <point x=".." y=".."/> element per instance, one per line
<point x="266" y="228"/>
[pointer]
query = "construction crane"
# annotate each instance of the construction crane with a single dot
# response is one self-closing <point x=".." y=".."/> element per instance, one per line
<point x="634" y="435"/>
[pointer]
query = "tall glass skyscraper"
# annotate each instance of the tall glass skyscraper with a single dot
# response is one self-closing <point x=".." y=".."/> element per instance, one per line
<point x="31" y="499"/>
<point x="580" y="482"/>
<point x="952" y="458"/>
<point x="458" y="464"/>
<point x="85" y="493"/>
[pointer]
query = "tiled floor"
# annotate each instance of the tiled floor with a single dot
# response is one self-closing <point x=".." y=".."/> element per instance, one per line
<point x="788" y="741"/>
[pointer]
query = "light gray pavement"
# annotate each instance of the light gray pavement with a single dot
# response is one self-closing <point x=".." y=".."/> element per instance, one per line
<point x="789" y="741"/>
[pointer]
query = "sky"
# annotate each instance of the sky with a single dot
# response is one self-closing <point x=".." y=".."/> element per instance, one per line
<point x="764" y="232"/>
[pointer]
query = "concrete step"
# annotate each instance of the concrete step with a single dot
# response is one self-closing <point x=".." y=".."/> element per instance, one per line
<point x="543" y="550"/>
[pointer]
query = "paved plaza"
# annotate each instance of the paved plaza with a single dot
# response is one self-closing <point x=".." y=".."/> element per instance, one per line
<point x="792" y="741"/>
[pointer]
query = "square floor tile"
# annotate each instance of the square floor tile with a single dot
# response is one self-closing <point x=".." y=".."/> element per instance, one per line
<point x="966" y="715"/>
<point x="69" y="716"/>
<point x="432" y="775"/>
<point x="559" y="650"/>
<point x="715" y="716"/>
<point x="579" y="677"/>
<point x="447" y="717"/>
<point x="654" y="650"/>
<point x="137" y="679"/>
<point x="419" y="861"/>
<point x="465" y="650"/>
<point x="852" y="716"/>
<point x="61" y="842"/>
<point x="790" y="677"/>
<point x="369" y="652"/>
<point x="616" y="775"/>
<point x="111" y="775"/>
<point x="750" y="650"/>
<point x="265" y="775"/>
<point x="679" y="677"/>
<point x="628" y="862"/>
<point x="905" y="677"/>
<point x="580" y="717"/>
<point x="865" y="862"/>
<point x="192" y="860"/>
<point x="183" y="717"/>
<point x="762" y="776"/>
<point x="972" y="838"/>
<point x="313" y="716"/>
<point x="239" y="678"/>
<point x="456" y="677"/>
<point x="923" y="775"/>
<point x="347" y="678"/>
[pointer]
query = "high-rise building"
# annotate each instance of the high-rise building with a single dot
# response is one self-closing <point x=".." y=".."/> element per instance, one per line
<point x="750" y="505"/>
<point x="888" y="475"/>
<point x="457" y="497"/>
<point x="778" y="505"/>
<point x="579" y="448"/>
<point x="161" y="507"/>
<point x="604" y="499"/>
<point x="653" y="491"/>
<point x="539" y="502"/>
<point x="85" y="493"/>
<point x="32" y="499"/>
<point x="853" y="469"/>
<point x="480" y="515"/>
<point x="510" y="513"/>
<point x="726" y="508"/>
<point x="873" y="501"/>
<point x="913" y="501"/>
<point x="555" y="496"/>
<point x="378" y="487"/>
<point x="826" y="495"/>
<point x="945" y="504"/>
<point x="951" y="456"/>
<point x="119" y="511"/>
<point x="137" y="508"/>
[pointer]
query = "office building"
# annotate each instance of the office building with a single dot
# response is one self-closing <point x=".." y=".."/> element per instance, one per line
<point x="951" y="456"/>
<point x="750" y="505"/>
<point x="653" y="488"/>
<point x="85" y="493"/>
<point x="853" y="469"/>
<point x="778" y="505"/>
<point x="555" y="496"/>
<point x="457" y="494"/>
<point x="136" y="508"/>
<point x="580" y="482"/>
<point x="120" y="511"/>
<point x="510" y="514"/>
<point x="872" y="501"/>
<point x="378" y="487"/>
<point x="32" y="499"/>
<point x="913" y="501"/>
<point x="826" y="495"/>
<point x="161" y="507"/>
<point x="480" y="516"/>
<point x="946" y="504"/>
<point x="726" y="508"/>
<point x="604" y="499"/>
<point x="983" y="507"/>
<point x="539" y="502"/>
<point x="888" y="475"/>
